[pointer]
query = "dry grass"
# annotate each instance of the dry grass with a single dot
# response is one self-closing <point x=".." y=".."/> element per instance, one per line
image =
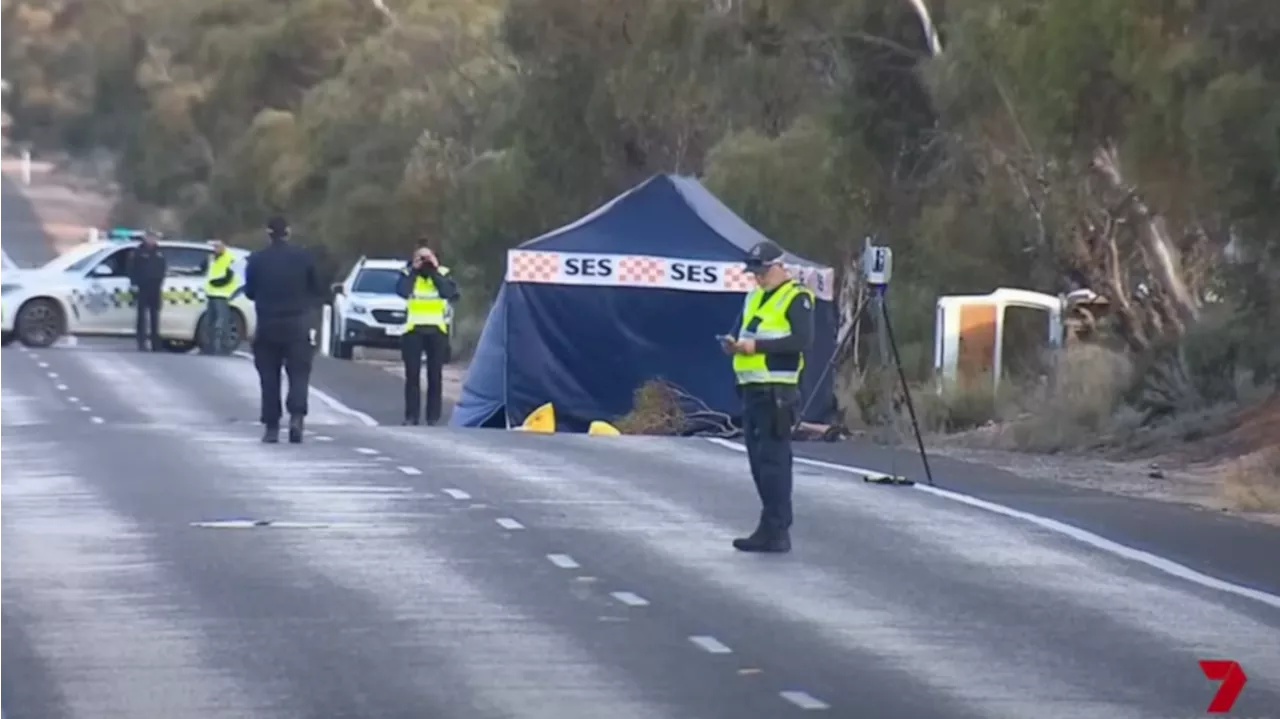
<point x="1252" y="483"/>
<point x="1078" y="403"/>
<point x="655" y="410"/>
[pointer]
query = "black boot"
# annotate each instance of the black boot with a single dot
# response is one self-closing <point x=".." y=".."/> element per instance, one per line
<point x="765" y="539"/>
<point x="271" y="434"/>
<point x="295" y="429"/>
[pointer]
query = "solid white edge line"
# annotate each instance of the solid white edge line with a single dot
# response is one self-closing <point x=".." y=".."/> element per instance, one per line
<point x="710" y="645"/>
<point x="1155" y="561"/>
<point x="333" y="402"/>
<point x="409" y="470"/>
<point x="631" y="599"/>
<point x="508" y="523"/>
<point x="804" y="700"/>
<point x="563" y="561"/>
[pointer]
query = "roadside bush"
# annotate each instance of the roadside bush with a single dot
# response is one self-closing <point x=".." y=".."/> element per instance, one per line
<point x="655" y="410"/>
<point x="1074" y="407"/>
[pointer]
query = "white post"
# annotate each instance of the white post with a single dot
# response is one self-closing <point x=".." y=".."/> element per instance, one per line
<point x="326" y="322"/>
<point x="26" y="167"/>
<point x="93" y="234"/>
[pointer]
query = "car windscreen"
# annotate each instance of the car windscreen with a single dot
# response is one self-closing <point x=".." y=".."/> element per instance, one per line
<point x="75" y="261"/>
<point x="378" y="282"/>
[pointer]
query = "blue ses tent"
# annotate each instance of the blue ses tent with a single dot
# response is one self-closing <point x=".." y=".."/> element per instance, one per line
<point x="636" y="290"/>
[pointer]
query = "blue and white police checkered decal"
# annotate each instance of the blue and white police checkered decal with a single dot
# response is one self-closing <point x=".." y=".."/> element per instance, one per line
<point x="97" y="299"/>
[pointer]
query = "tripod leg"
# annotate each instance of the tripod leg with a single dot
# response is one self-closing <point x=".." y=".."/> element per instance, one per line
<point x="835" y="358"/>
<point x="902" y="377"/>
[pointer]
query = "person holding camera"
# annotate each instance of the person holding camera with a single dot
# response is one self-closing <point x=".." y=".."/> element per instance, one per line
<point x="427" y="287"/>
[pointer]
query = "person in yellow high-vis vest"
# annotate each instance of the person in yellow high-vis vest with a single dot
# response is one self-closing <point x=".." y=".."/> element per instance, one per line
<point x="428" y="289"/>
<point x="773" y="332"/>
<point x="219" y="285"/>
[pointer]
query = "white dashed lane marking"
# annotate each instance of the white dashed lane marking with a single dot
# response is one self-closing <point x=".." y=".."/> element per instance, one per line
<point x="563" y="561"/>
<point x="630" y="599"/>
<point x="804" y="700"/>
<point x="458" y="494"/>
<point x="85" y="409"/>
<point x="322" y="438"/>
<point x="53" y="375"/>
<point x="411" y="471"/>
<point x="96" y="420"/>
<point x="63" y="388"/>
<point x="711" y="645"/>
<point x="366" y="450"/>
<point x="43" y="365"/>
<point x="508" y="523"/>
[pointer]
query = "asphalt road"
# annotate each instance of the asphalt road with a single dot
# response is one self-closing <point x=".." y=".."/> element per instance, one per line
<point x="431" y="572"/>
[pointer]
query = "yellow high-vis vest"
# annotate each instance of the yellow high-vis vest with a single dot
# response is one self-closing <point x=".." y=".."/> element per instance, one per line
<point x="218" y="268"/>
<point x="773" y="324"/>
<point x="426" y="307"/>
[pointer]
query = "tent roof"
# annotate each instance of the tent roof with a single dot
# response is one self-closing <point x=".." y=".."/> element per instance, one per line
<point x="667" y="216"/>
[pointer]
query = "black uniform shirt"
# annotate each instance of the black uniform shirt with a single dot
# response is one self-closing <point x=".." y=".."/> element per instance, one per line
<point x="281" y="282"/>
<point x="147" y="268"/>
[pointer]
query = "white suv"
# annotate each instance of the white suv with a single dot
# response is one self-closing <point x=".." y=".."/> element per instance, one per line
<point x="367" y="312"/>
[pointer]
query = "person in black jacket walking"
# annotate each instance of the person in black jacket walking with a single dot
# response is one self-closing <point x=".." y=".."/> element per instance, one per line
<point x="281" y="282"/>
<point x="147" y="268"/>
<point x="427" y="286"/>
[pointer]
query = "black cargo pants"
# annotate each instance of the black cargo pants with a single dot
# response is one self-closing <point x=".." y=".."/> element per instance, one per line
<point x="769" y="412"/>
<point x="147" y="302"/>
<point x="433" y="343"/>
<point x="283" y="344"/>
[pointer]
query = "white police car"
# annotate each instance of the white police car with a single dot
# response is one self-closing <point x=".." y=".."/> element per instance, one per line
<point x="86" y="292"/>
<point x="367" y="312"/>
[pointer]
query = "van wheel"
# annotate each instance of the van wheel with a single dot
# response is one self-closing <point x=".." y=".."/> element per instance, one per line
<point x="40" y="323"/>
<point x="6" y="338"/>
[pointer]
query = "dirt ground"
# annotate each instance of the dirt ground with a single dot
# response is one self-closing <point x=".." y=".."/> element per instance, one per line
<point x="1199" y="473"/>
<point x="1207" y="473"/>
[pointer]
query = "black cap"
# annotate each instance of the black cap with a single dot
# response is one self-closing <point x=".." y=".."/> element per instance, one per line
<point x="764" y="253"/>
<point x="277" y="226"/>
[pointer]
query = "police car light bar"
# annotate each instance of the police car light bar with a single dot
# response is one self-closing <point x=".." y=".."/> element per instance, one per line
<point x="124" y="234"/>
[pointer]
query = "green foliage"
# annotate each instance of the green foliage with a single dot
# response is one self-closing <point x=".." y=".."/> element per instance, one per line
<point x="483" y="123"/>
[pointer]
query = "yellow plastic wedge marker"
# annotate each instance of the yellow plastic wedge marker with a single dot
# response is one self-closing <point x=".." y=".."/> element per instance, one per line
<point x="603" y="428"/>
<point x="542" y="419"/>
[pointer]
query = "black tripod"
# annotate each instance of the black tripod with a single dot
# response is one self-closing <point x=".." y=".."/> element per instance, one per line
<point x="877" y="292"/>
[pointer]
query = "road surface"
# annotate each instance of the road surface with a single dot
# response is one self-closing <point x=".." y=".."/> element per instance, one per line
<point x="428" y="572"/>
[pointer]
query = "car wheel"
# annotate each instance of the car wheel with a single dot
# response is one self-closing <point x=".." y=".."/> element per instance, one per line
<point x="238" y="331"/>
<point x="40" y="323"/>
<point x="235" y="336"/>
<point x="6" y="338"/>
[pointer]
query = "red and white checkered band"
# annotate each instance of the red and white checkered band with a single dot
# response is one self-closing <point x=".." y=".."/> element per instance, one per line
<point x="534" y="266"/>
<point x="642" y="270"/>
<point x="737" y="279"/>
<point x="606" y="270"/>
